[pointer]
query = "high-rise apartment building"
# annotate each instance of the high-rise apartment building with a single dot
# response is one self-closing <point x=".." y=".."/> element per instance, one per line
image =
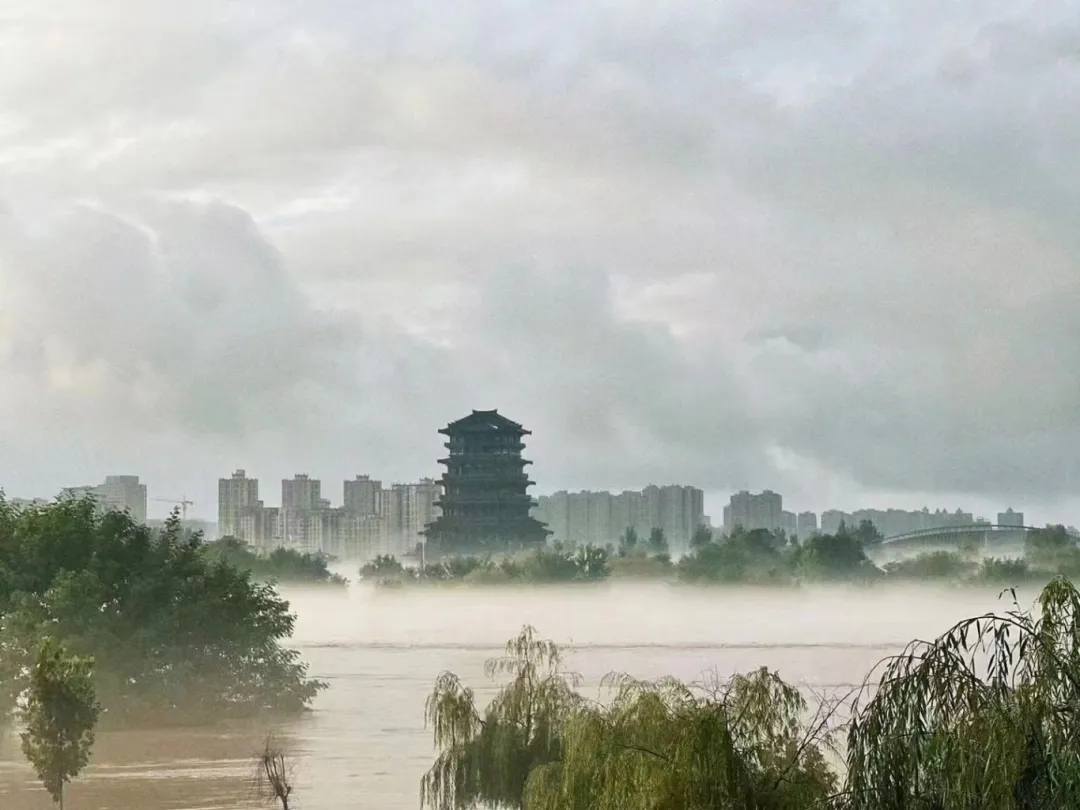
<point x="124" y="493"/>
<point x="601" y="518"/>
<point x="789" y="522"/>
<point x="361" y="537"/>
<point x="421" y="507"/>
<point x="303" y="525"/>
<point x="405" y="510"/>
<point x="237" y="496"/>
<point x="372" y="520"/>
<point x="301" y="492"/>
<point x="806" y="525"/>
<point x="627" y="510"/>
<point x="362" y="495"/>
<point x="259" y="526"/>
<point x="762" y="511"/>
<point x="833" y="519"/>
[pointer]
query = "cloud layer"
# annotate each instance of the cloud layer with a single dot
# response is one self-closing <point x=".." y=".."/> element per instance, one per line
<point x="742" y="244"/>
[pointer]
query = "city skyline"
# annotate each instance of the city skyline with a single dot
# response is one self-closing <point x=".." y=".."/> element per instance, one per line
<point x="371" y="519"/>
<point x="205" y="500"/>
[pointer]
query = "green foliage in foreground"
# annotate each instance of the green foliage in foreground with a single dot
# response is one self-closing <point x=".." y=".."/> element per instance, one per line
<point x="982" y="718"/>
<point x="539" y="744"/>
<point x="985" y="716"/>
<point x="61" y="712"/>
<point x="739" y="743"/>
<point x="175" y="635"/>
<point x="283" y="565"/>
<point x="487" y="759"/>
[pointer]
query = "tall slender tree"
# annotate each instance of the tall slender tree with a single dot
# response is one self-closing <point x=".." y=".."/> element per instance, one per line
<point x="658" y="543"/>
<point x="61" y="712"/>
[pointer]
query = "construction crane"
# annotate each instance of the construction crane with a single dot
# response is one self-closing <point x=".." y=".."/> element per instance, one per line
<point x="183" y="503"/>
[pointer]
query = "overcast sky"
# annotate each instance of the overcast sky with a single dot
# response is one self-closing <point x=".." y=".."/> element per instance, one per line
<point x="825" y="247"/>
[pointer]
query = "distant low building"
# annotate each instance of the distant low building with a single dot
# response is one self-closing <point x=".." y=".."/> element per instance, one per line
<point x="894" y="522"/>
<point x="1010" y="518"/>
<point x="119" y="493"/>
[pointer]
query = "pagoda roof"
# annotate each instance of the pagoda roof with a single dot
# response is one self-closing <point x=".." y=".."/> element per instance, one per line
<point x="483" y="421"/>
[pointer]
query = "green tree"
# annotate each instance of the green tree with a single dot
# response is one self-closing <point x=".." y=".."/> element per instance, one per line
<point x="867" y="533"/>
<point x="592" y="563"/>
<point x="970" y="548"/>
<point x="1004" y="571"/>
<point x="485" y="760"/>
<point x="1049" y="546"/>
<point x="658" y="543"/>
<point x="280" y="565"/>
<point x="174" y="634"/>
<point x="756" y="556"/>
<point x="61" y="712"/>
<point x="628" y="543"/>
<point x="930" y="565"/>
<point x="735" y="744"/>
<point x="835" y="556"/>
<point x="701" y="537"/>
<point x="383" y="565"/>
<point x="985" y="716"/>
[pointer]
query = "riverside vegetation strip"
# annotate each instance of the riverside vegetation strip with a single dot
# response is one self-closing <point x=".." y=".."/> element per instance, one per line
<point x="743" y="557"/>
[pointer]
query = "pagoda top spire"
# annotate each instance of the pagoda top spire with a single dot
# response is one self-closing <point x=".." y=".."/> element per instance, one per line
<point x="483" y="421"/>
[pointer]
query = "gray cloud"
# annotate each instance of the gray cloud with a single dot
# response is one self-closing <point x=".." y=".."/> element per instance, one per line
<point x="177" y="316"/>
<point x="678" y="243"/>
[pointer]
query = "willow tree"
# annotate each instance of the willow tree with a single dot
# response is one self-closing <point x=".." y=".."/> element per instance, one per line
<point x="485" y="758"/>
<point x="743" y="743"/>
<point x="985" y="717"/>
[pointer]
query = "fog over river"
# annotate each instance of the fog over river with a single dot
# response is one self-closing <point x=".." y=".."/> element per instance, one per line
<point x="365" y="747"/>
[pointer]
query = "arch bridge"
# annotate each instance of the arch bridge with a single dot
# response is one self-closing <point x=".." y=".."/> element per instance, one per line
<point x="988" y="537"/>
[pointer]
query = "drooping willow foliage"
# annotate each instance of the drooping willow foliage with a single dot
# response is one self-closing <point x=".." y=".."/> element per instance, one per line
<point x="987" y="717"/>
<point x="485" y="760"/>
<point x="743" y="743"/>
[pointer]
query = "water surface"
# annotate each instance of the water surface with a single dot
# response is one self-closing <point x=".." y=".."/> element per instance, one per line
<point x="365" y="746"/>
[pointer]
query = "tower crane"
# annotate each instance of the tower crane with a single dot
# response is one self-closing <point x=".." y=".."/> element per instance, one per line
<point x="183" y="503"/>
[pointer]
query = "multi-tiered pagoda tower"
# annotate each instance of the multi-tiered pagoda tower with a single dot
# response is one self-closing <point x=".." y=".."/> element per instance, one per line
<point x="485" y="503"/>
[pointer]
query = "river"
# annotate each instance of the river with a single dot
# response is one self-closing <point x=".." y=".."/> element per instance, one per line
<point x="364" y="745"/>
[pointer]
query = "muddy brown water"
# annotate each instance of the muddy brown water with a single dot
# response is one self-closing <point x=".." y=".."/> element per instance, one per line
<point x="365" y="747"/>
